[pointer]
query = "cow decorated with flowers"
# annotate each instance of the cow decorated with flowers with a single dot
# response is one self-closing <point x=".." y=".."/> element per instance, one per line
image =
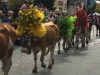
<point x="81" y="27"/>
<point x="66" y="25"/>
<point x="36" y="36"/>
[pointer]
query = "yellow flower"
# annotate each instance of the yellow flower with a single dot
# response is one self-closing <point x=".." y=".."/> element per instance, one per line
<point x="26" y="14"/>
<point x="27" y="19"/>
<point x="31" y="31"/>
<point x="30" y="17"/>
<point x="20" y="12"/>
<point x="27" y="28"/>
<point x="21" y="17"/>
<point x="39" y="31"/>
<point x="29" y="12"/>
<point x="34" y="22"/>
<point x="39" y="22"/>
<point x="41" y="15"/>
<point x="18" y="32"/>
<point x="36" y="10"/>
<point x="30" y="24"/>
<point x="31" y="6"/>
<point x="15" y="22"/>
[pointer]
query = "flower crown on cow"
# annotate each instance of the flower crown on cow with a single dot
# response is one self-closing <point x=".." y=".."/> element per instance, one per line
<point x="30" y="21"/>
<point x="66" y="25"/>
<point x="82" y="18"/>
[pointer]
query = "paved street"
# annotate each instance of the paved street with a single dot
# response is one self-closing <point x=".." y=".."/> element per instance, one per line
<point x="83" y="61"/>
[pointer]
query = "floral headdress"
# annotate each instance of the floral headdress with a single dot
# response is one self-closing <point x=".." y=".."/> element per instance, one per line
<point x="82" y="18"/>
<point x="30" y="22"/>
<point x="66" y="25"/>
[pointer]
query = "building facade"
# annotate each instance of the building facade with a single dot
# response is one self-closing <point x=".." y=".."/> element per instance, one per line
<point x="73" y="5"/>
<point x="60" y="5"/>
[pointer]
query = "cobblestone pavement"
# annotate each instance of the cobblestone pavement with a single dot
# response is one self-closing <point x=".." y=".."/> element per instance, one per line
<point x="83" y="61"/>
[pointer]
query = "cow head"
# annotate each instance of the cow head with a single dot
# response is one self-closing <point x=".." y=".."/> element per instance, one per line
<point x="25" y="42"/>
<point x="77" y="28"/>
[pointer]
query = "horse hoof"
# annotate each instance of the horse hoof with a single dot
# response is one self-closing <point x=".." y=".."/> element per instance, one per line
<point x="43" y="65"/>
<point x="49" y="67"/>
<point x="34" y="71"/>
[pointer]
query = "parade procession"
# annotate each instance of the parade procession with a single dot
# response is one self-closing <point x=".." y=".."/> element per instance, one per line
<point x="61" y="36"/>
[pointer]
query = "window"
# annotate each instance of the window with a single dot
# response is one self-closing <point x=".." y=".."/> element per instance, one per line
<point x="60" y="3"/>
<point x="60" y="8"/>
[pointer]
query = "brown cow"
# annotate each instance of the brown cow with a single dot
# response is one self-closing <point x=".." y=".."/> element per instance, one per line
<point x="7" y="40"/>
<point x="81" y="33"/>
<point x="65" y="44"/>
<point x="40" y="44"/>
